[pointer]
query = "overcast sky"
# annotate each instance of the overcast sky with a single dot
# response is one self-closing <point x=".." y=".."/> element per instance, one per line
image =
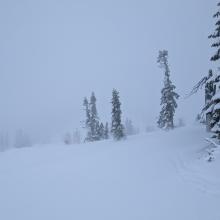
<point x="55" y="52"/>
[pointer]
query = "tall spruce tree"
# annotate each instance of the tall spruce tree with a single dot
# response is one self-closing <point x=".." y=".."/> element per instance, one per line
<point x="212" y="105"/>
<point x="87" y="125"/>
<point x="117" y="128"/>
<point x="169" y="96"/>
<point x="212" y="89"/>
<point x="101" y="131"/>
<point x="106" y="131"/>
<point x="216" y="35"/>
<point x="94" y="120"/>
<point x="211" y="111"/>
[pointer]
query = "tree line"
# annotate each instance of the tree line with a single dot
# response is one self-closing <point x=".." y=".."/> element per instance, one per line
<point x="210" y="113"/>
<point x="95" y="128"/>
<point x="20" y="140"/>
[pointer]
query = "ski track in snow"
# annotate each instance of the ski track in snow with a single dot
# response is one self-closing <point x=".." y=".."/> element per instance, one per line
<point x="189" y="174"/>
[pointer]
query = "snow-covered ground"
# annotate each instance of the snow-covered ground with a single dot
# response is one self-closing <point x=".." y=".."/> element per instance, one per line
<point x="154" y="176"/>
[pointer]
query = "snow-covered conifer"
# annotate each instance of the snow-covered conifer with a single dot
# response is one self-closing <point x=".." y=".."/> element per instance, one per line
<point x="117" y="128"/>
<point x="101" y="132"/>
<point x="212" y="89"/>
<point x="216" y="35"/>
<point x="212" y="106"/>
<point x="169" y="96"/>
<point x="94" y="120"/>
<point x="87" y="125"/>
<point x="106" y="131"/>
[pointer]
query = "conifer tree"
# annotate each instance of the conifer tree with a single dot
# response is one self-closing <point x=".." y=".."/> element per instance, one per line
<point x="212" y="89"/>
<point x="88" y="120"/>
<point x="101" y="132"/>
<point x="216" y="35"/>
<point x="169" y="96"/>
<point x="212" y="86"/>
<point x="106" y="131"/>
<point x="117" y="128"/>
<point x="94" y="120"/>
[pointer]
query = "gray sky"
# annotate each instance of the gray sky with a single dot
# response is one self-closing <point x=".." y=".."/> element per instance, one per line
<point x="55" y="52"/>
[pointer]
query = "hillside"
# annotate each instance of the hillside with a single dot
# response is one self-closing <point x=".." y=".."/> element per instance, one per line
<point x="155" y="176"/>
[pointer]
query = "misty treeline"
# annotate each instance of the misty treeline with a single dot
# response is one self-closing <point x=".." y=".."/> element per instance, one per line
<point x="96" y="129"/>
<point x="210" y="113"/>
<point x="18" y="140"/>
<point x="72" y="138"/>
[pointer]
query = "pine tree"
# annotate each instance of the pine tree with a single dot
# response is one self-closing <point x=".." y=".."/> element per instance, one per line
<point x="106" y="131"/>
<point x="94" y="120"/>
<point x="212" y="106"/>
<point x="216" y="36"/>
<point x="117" y="128"/>
<point x="212" y="89"/>
<point x="169" y="96"/>
<point x="101" y="132"/>
<point x="88" y="120"/>
<point x="97" y="135"/>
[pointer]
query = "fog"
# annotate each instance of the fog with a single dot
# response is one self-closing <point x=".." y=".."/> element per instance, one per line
<point x="53" y="53"/>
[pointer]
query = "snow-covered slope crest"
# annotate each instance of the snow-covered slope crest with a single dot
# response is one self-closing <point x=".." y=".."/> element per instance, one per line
<point x="156" y="176"/>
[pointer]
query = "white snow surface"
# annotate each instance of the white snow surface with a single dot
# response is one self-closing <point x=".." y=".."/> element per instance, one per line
<point x="155" y="176"/>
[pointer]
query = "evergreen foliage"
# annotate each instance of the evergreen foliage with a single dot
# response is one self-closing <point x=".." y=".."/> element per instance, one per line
<point x="106" y="131"/>
<point x="216" y="36"/>
<point x="92" y="120"/>
<point x="101" y="132"/>
<point x="87" y="125"/>
<point x="117" y="128"/>
<point x="169" y="96"/>
<point x="212" y="88"/>
<point x="212" y="105"/>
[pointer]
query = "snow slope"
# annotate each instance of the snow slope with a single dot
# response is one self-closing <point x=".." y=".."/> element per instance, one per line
<point x="155" y="176"/>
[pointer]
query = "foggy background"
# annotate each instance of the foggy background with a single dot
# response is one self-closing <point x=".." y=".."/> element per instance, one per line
<point x="53" y="53"/>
